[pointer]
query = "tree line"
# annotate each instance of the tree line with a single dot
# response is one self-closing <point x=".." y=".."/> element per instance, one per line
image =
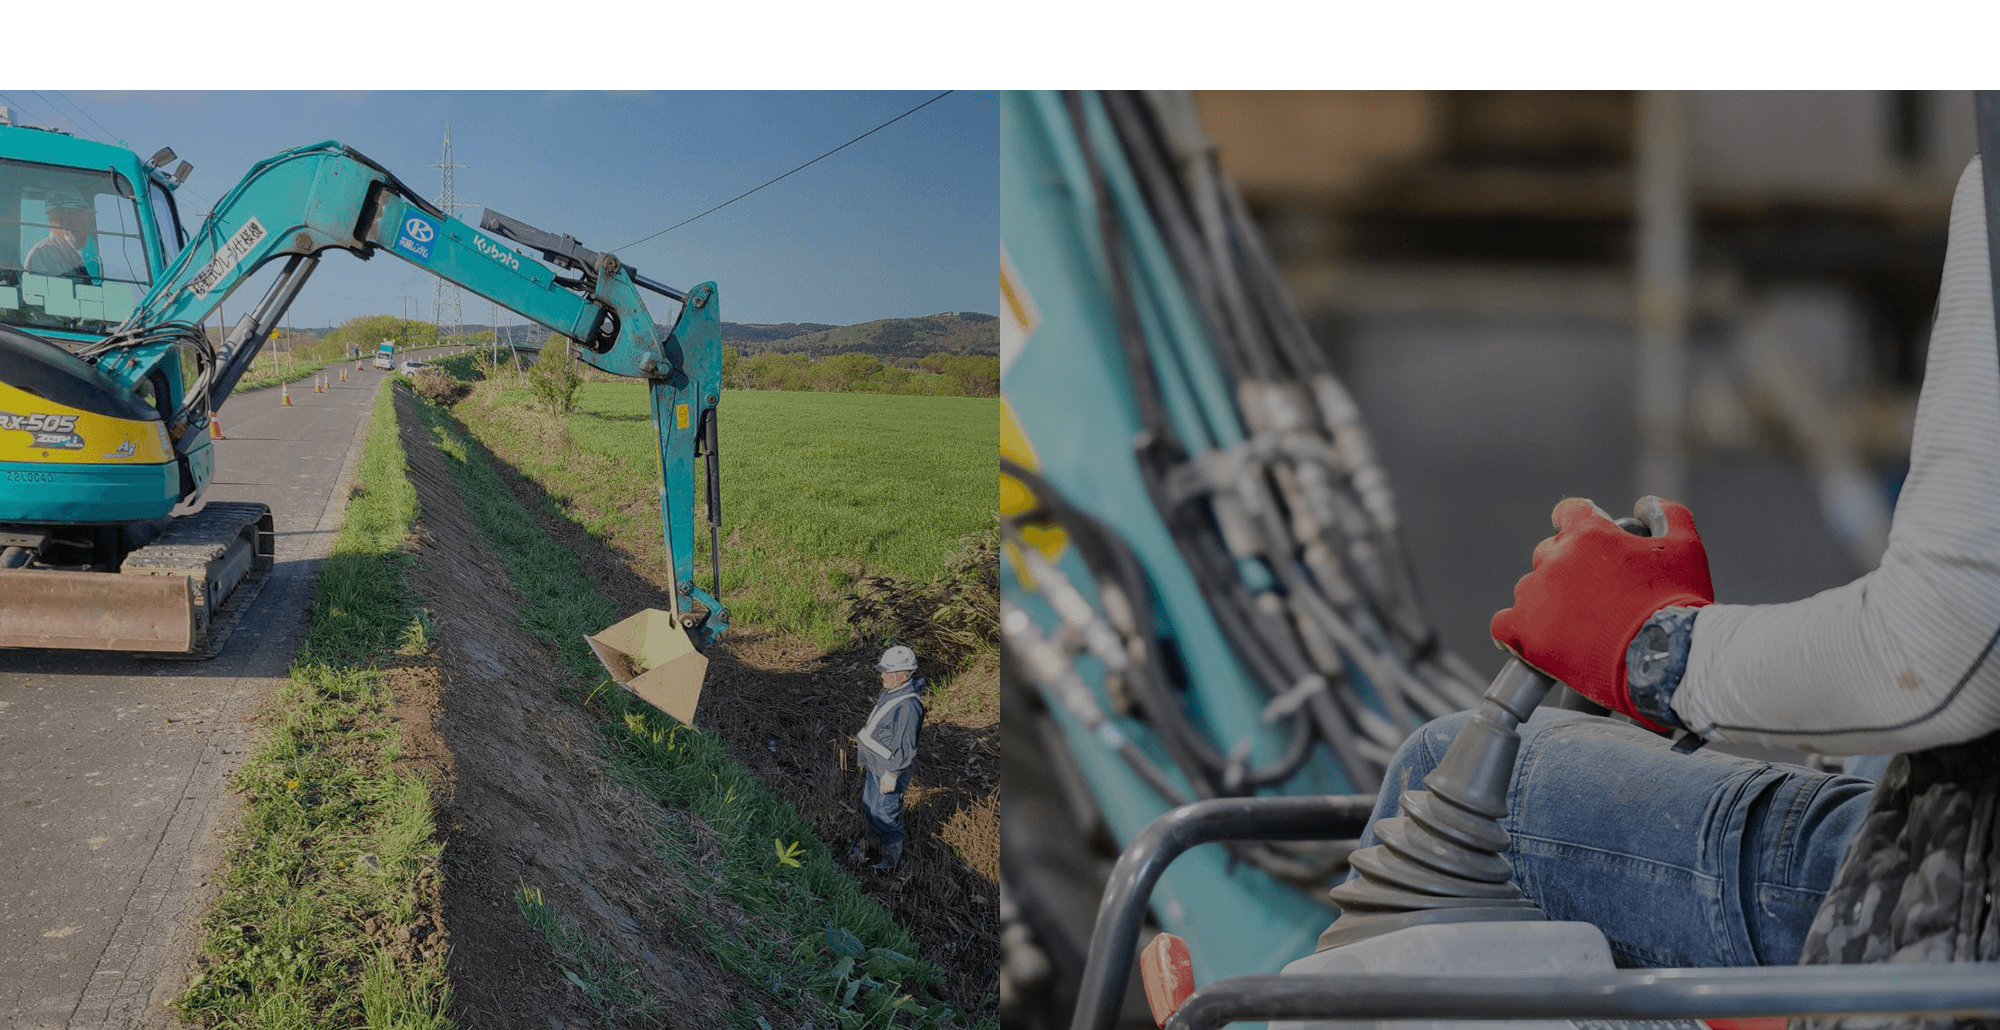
<point x="938" y="374"/>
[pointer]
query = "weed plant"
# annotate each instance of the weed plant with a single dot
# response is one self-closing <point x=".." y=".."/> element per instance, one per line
<point x="335" y="847"/>
<point x="814" y="942"/>
<point x="556" y="375"/>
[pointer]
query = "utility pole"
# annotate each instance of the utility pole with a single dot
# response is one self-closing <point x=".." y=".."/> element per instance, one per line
<point x="447" y="295"/>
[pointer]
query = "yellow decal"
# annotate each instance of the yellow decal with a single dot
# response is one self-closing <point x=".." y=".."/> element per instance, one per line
<point x="681" y="415"/>
<point x="1018" y="314"/>
<point x="1018" y="319"/>
<point x="35" y="429"/>
<point x="1015" y="497"/>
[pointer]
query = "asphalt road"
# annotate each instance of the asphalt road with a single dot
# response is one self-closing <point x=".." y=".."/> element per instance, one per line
<point x="113" y="768"/>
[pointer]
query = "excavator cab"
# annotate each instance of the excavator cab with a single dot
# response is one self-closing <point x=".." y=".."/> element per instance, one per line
<point x="76" y="251"/>
<point x="90" y="471"/>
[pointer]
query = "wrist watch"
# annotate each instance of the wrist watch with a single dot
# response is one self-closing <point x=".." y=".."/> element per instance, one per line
<point x="1656" y="660"/>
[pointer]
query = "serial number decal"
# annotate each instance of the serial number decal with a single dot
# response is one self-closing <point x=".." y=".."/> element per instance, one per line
<point x="28" y="477"/>
<point x="226" y="259"/>
<point x="51" y="432"/>
<point x="498" y="253"/>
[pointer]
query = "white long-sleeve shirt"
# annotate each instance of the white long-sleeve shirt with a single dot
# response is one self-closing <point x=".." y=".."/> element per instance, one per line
<point x="1902" y="658"/>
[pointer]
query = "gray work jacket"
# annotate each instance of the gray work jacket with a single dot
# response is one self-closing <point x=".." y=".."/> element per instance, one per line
<point x="889" y="740"/>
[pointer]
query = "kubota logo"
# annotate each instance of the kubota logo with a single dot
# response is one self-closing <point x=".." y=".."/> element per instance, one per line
<point x="49" y="431"/>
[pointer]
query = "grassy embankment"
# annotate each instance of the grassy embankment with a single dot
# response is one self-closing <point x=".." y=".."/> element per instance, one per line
<point x="820" y="491"/>
<point x="814" y="943"/>
<point x="290" y="372"/>
<point x="336" y="850"/>
<point x="304" y="358"/>
<point x="308" y="361"/>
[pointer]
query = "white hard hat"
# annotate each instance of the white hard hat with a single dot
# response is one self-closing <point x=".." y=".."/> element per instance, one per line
<point x="897" y="659"/>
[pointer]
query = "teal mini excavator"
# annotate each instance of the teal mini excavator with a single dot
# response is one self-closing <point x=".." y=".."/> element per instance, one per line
<point x="108" y="381"/>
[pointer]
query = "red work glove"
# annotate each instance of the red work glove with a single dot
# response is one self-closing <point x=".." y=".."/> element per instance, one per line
<point x="1594" y="585"/>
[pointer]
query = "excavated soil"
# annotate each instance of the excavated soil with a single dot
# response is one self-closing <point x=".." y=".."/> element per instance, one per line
<point x="522" y="800"/>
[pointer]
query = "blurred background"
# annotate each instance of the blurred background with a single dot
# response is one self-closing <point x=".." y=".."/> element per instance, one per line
<point x="1723" y="298"/>
<point x="1719" y="297"/>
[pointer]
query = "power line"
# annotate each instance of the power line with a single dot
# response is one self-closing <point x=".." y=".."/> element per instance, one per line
<point x="11" y="102"/>
<point x="802" y="167"/>
<point x="15" y="104"/>
<point x="86" y="114"/>
<point x="73" y="123"/>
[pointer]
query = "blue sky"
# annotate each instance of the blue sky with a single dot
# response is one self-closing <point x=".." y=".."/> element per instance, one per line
<point x="905" y="222"/>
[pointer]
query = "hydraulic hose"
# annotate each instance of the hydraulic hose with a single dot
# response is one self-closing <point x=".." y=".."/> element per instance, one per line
<point x="1303" y="500"/>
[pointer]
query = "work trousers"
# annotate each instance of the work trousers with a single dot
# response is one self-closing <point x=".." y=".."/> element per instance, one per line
<point x="1699" y="859"/>
<point x="885" y="811"/>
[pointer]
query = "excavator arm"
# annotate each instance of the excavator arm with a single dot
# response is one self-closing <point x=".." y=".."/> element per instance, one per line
<point x="301" y="203"/>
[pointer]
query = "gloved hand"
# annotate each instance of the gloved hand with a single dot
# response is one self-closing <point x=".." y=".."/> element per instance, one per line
<point x="889" y="783"/>
<point x="1594" y="585"/>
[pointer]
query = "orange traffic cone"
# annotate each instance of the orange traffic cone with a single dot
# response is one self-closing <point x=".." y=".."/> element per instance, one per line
<point x="284" y="395"/>
<point x="318" y="387"/>
<point x="214" y="427"/>
<point x="343" y="375"/>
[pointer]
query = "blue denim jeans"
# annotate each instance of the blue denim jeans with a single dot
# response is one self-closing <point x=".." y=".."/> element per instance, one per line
<point x="885" y="811"/>
<point x="1681" y="860"/>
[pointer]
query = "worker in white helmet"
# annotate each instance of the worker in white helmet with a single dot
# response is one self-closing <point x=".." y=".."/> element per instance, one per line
<point x="64" y="251"/>
<point x="889" y="748"/>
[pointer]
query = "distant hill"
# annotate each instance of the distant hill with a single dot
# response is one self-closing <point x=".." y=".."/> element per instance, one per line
<point x="903" y="339"/>
<point x="893" y="339"/>
<point x="741" y="334"/>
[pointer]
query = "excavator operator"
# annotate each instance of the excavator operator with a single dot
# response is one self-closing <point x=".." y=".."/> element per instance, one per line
<point x="1703" y="859"/>
<point x="62" y="252"/>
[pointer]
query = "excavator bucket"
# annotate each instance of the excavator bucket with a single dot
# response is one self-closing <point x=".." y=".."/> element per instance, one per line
<point x="96" y="611"/>
<point x="650" y="655"/>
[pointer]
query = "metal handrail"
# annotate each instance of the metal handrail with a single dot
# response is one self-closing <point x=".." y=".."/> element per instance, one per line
<point x="1123" y="906"/>
<point x="1965" y="990"/>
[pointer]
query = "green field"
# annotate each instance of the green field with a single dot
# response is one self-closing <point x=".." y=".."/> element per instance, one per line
<point x="819" y="489"/>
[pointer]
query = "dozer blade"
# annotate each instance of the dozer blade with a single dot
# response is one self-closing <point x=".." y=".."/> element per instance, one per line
<point x="96" y="611"/>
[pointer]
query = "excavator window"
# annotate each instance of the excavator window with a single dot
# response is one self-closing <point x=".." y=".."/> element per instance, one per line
<point x="167" y="218"/>
<point x="72" y="248"/>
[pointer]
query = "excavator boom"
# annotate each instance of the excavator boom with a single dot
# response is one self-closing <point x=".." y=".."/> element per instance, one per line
<point x="118" y="362"/>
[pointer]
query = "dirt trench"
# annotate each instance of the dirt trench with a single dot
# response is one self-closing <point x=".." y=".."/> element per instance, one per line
<point x="523" y="800"/>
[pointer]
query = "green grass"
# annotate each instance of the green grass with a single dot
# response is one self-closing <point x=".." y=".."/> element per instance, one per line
<point x="332" y="839"/>
<point x="891" y="481"/>
<point x="612" y="986"/>
<point x="813" y="943"/>
<point x="818" y="490"/>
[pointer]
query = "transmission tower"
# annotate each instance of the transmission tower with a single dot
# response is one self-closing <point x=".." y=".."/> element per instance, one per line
<point x="445" y="302"/>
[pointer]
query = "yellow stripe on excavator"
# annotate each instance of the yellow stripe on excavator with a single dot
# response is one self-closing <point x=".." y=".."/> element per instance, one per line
<point x="35" y="429"/>
<point x="1015" y="497"/>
